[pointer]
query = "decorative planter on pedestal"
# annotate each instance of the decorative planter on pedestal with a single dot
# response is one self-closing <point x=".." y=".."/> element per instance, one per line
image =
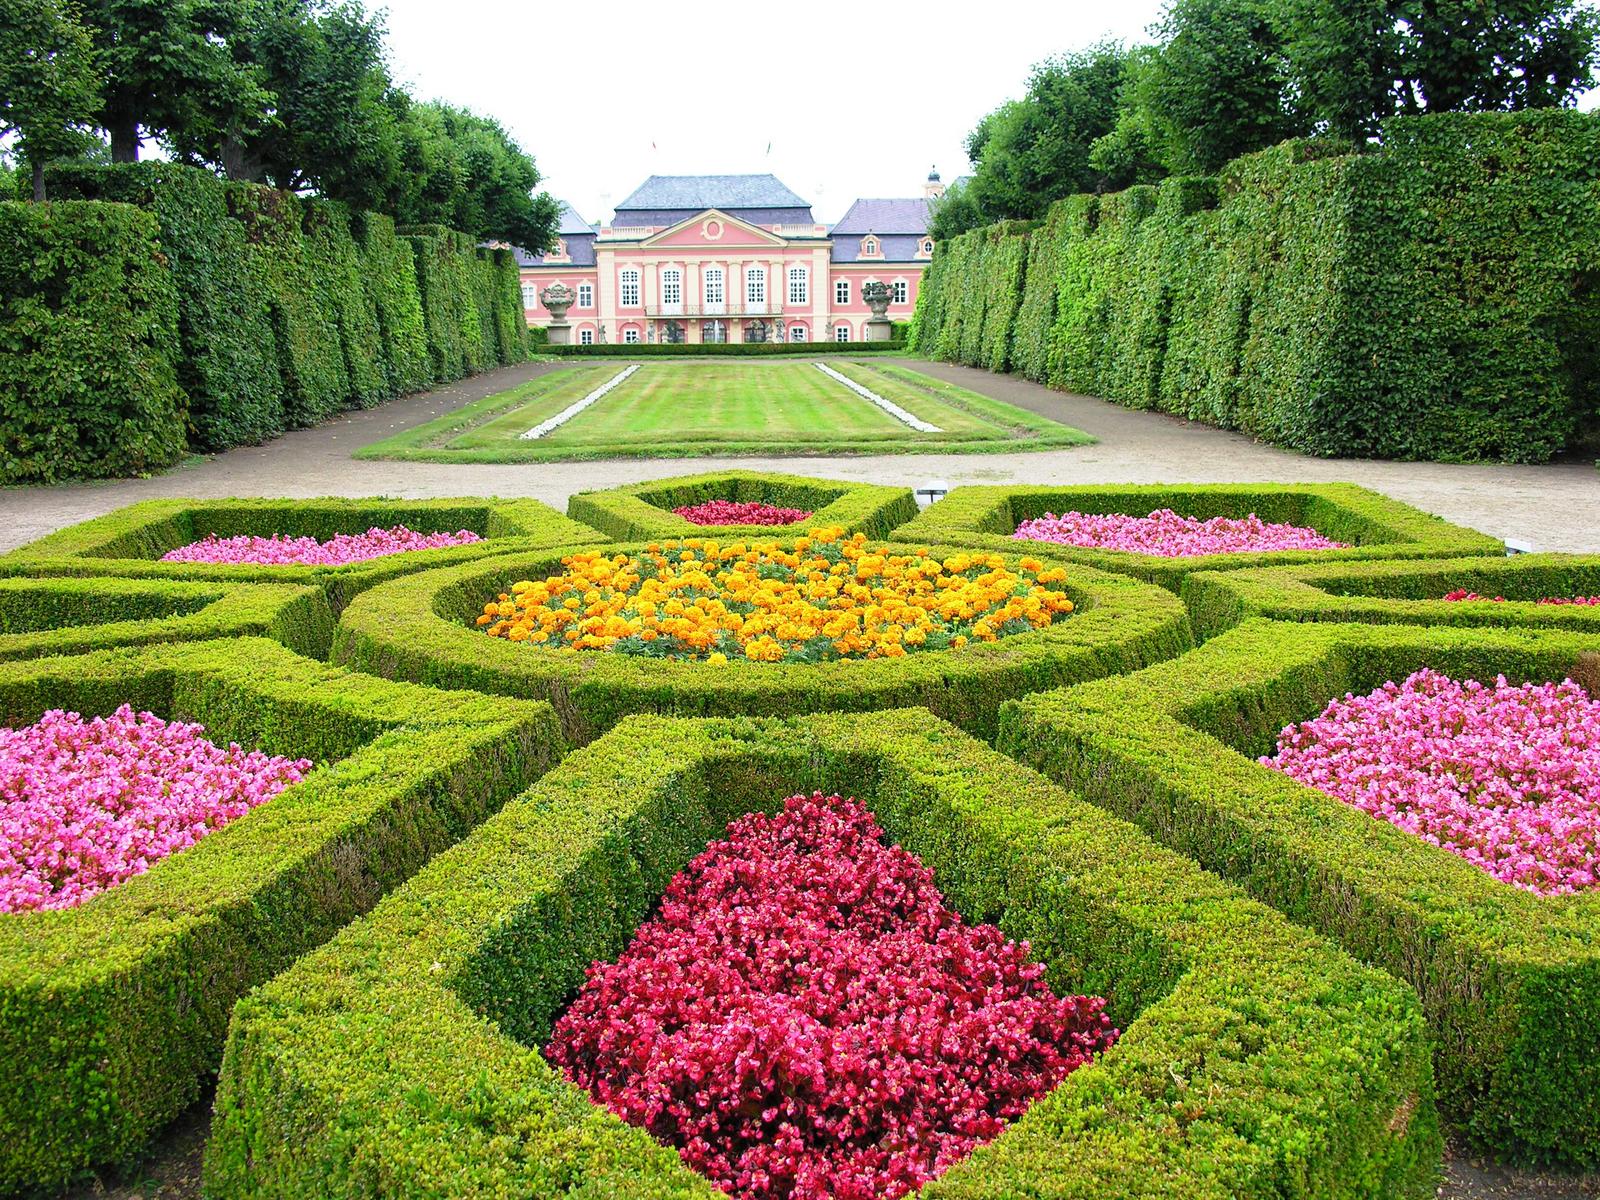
<point x="558" y="297"/>
<point x="879" y="327"/>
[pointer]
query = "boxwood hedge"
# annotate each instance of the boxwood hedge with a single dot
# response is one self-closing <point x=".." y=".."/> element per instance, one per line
<point x="1257" y="1060"/>
<point x="1410" y="593"/>
<point x="644" y="510"/>
<point x="68" y="615"/>
<point x="111" y="1013"/>
<point x="1510" y="980"/>
<point x="1374" y="525"/>
<point x="421" y="628"/>
<point x="131" y="540"/>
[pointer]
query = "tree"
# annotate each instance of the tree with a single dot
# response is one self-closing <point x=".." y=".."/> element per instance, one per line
<point x="49" y="81"/>
<point x="954" y="213"/>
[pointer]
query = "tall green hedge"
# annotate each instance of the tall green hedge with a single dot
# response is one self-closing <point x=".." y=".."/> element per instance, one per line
<point x="1437" y="297"/>
<point x="88" y="344"/>
<point x="390" y="278"/>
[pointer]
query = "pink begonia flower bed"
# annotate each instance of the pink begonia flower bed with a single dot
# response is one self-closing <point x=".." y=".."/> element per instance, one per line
<point x="731" y="512"/>
<point x="806" y="1019"/>
<point x="1466" y="595"/>
<point x="1507" y="776"/>
<point x="342" y="548"/>
<point x="85" y="805"/>
<point x="1166" y="533"/>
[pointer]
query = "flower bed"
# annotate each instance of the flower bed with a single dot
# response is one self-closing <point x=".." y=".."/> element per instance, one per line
<point x="1510" y="979"/>
<point x="823" y="597"/>
<point x="1257" y="1060"/>
<point x="337" y="551"/>
<point x="1367" y="524"/>
<point x="1168" y="535"/>
<point x="1414" y="592"/>
<point x="805" y="1018"/>
<point x="85" y="805"/>
<point x="737" y="512"/>
<point x="1462" y="594"/>
<point x="1507" y="777"/>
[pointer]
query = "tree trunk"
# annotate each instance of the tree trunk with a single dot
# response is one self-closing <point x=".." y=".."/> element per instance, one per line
<point x="38" y="182"/>
<point x="124" y="139"/>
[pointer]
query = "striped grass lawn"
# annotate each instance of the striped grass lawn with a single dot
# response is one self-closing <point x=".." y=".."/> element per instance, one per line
<point x="682" y="409"/>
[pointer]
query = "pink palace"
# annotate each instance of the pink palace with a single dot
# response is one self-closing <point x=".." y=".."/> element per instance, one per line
<point x="730" y="258"/>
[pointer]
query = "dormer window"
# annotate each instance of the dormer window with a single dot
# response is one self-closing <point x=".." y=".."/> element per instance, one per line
<point x="927" y="245"/>
<point x="869" y="245"/>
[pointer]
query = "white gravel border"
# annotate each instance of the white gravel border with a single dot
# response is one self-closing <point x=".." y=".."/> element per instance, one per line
<point x="572" y="410"/>
<point x="888" y="406"/>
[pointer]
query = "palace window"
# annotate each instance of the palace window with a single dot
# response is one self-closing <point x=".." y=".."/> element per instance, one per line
<point x="672" y="286"/>
<point x="927" y="245"/>
<point x="898" y="292"/>
<point x="799" y="333"/>
<point x="755" y="288"/>
<point x="586" y="295"/>
<point x="841" y="333"/>
<point x="585" y="337"/>
<point x="713" y="286"/>
<point x="630" y="290"/>
<point x="841" y="292"/>
<point x="714" y="332"/>
<point x="631" y="336"/>
<point x="799" y="286"/>
<point x="869" y="245"/>
<point x="530" y="295"/>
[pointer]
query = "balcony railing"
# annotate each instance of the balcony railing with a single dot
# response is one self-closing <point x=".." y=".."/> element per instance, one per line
<point x="736" y="307"/>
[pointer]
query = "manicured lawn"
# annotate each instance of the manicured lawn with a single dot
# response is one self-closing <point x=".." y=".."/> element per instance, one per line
<point x="679" y="409"/>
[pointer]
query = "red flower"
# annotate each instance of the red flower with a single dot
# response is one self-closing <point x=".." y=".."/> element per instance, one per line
<point x="730" y="512"/>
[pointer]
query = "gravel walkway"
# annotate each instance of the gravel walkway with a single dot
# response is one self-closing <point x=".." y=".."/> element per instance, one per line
<point x="1554" y="507"/>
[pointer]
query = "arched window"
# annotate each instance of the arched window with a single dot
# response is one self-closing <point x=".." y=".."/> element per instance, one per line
<point x="630" y="290"/>
<point x="841" y="333"/>
<point x="799" y="333"/>
<point x="585" y="337"/>
<point x="755" y="289"/>
<point x="799" y="285"/>
<point x="630" y="335"/>
<point x="869" y="245"/>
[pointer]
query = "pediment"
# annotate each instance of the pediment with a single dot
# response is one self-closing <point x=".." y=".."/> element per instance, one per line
<point x="713" y="228"/>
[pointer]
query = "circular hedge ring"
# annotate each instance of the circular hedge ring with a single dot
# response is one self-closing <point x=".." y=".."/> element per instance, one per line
<point x="420" y="627"/>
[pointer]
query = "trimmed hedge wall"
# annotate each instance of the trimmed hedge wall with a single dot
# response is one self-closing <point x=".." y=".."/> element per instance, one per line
<point x="292" y="309"/>
<point x="644" y="510"/>
<point x="1375" y="526"/>
<point x="1410" y="593"/>
<point x="1510" y="980"/>
<point x="131" y="540"/>
<point x="720" y="349"/>
<point x="1436" y="298"/>
<point x="421" y="628"/>
<point x="1257" y="1061"/>
<point x="67" y="615"/>
<point x="112" y="1013"/>
<point x="88" y="331"/>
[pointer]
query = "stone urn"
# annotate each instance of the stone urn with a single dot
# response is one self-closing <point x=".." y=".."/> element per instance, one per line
<point x="877" y="295"/>
<point x="558" y="297"/>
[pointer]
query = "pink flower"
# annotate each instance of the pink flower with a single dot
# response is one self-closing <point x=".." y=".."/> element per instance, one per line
<point x="1165" y="533"/>
<point x="806" y="1019"/>
<point x="1463" y="594"/>
<point x="731" y="512"/>
<point x="85" y="805"/>
<point x="279" y="551"/>
<point x="1507" y="777"/>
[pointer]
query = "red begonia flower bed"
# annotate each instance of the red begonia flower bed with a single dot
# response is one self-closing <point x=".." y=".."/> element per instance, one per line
<point x="806" y="1019"/>
<point x="1463" y="594"/>
<point x="342" y="548"/>
<point x="1171" y="535"/>
<point x="732" y="512"/>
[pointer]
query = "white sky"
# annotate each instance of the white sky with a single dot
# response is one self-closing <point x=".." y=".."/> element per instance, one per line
<point x="856" y="99"/>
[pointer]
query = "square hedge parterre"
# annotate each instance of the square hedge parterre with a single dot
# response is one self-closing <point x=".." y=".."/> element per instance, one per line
<point x="402" y="1057"/>
<point x="1510" y="980"/>
<point x="644" y="511"/>
<point x="1372" y="525"/>
<point x="132" y="540"/>
<point x="1410" y="592"/>
<point x="113" y="1012"/>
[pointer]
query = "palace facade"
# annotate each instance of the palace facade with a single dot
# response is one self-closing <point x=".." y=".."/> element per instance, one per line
<point x="730" y="258"/>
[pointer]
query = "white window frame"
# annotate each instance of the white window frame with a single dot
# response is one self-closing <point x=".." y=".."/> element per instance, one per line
<point x="841" y="333"/>
<point x="799" y="285"/>
<point x="799" y="333"/>
<point x="530" y="295"/>
<point x="628" y="290"/>
<point x="585" y="337"/>
<point x="755" y="289"/>
<point x="630" y="337"/>
<point x="672" y="288"/>
<point x="899" y="292"/>
<point x="586" y="295"/>
<point x="715" y="291"/>
<point x="869" y="246"/>
<point x="841" y="292"/>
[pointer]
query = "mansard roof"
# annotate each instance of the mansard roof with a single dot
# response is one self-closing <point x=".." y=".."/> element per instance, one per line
<point x="571" y="223"/>
<point x="572" y="229"/>
<point x="697" y="192"/>
<point x="885" y="216"/>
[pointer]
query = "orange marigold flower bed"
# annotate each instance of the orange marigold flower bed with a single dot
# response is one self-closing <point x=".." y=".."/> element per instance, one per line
<point x="821" y="597"/>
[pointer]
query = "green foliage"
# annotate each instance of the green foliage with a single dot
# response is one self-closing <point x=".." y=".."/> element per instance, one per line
<point x="113" y="1014"/>
<point x="1268" y="301"/>
<point x="644" y="510"/>
<point x="88" y="344"/>
<point x="422" y="628"/>
<point x="954" y="213"/>
<point x="1406" y="593"/>
<point x="406" y="1048"/>
<point x="1372" y="525"/>
<point x="129" y="542"/>
<point x="49" y="81"/>
<point x="1510" y="981"/>
<point x="389" y="274"/>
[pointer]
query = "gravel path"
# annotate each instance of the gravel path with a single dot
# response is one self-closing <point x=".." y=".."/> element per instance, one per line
<point x="1554" y="507"/>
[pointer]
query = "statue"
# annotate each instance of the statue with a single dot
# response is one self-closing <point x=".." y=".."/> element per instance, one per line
<point x="558" y="297"/>
<point x="876" y="295"/>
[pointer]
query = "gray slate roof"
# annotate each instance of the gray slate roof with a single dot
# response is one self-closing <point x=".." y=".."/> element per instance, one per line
<point x="699" y="192"/>
<point x="572" y="229"/>
<point x="896" y="248"/>
<point x="884" y="216"/>
<point x="571" y="222"/>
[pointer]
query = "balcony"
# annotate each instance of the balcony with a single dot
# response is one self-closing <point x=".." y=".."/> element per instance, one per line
<point x="734" y="309"/>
